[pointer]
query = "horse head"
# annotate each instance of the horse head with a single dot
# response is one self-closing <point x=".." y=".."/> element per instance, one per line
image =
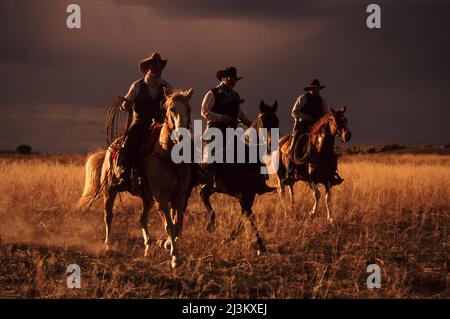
<point x="338" y="124"/>
<point x="178" y="110"/>
<point x="267" y="119"/>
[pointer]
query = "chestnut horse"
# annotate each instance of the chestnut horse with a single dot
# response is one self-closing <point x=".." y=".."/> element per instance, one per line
<point x="321" y="158"/>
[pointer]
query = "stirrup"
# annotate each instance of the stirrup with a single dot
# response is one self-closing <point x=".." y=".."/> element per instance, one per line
<point x="121" y="187"/>
<point x="337" y="180"/>
<point x="122" y="184"/>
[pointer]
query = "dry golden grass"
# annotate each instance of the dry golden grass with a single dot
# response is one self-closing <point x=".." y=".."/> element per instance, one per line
<point x="392" y="210"/>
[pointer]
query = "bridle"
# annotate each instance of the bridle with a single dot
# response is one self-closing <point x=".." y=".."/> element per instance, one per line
<point x="338" y="128"/>
<point x="257" y="125"/>
<point x="171" y="128"/>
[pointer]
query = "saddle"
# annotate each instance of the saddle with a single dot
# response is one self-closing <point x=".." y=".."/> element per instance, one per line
<point x="116" y="150"/>
<point x="301" y="152"/>
<point x="147" y="148"/>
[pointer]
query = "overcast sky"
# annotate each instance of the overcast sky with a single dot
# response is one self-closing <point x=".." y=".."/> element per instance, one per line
<point x="55" y="82"/>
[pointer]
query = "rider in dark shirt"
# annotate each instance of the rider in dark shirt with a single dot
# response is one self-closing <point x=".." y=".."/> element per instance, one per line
<point x="307" y="110"/>
<point x="146" y="98"/>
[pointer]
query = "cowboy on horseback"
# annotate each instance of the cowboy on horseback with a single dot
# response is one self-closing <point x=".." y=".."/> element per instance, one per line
<point x="146" y="98"/>
<point x="307" y="110"/>
<point x="223" y="108"/>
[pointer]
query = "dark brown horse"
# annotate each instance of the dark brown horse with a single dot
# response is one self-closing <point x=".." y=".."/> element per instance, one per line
<point x="322" y="160"/>
<point x="239" y="180"/>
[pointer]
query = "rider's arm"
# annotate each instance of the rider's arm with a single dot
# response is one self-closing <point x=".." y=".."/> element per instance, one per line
<point x="130" y="97"/>
<point x="206" y="109"/>
<point x="242" y="116"/>
<point x="297" y="113"/>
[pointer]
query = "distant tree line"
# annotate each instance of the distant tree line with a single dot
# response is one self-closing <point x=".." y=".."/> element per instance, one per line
<point x="24" y="149"/>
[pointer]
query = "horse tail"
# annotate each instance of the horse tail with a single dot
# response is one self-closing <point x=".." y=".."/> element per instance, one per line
<point x="92" y="183"/>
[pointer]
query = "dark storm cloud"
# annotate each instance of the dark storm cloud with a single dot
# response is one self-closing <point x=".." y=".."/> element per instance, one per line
<point x="393" y="80"/>
<point x="237" y="9"/>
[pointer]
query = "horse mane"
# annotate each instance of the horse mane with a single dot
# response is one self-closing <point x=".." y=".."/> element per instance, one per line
<point x="317" y="127"/>
<point x="176" y="95"/>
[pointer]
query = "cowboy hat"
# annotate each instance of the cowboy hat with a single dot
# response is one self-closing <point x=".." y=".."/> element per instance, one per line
<point x="314" y="84"/>
<point x="228" y="72"/>
<point x="155" y="58"/>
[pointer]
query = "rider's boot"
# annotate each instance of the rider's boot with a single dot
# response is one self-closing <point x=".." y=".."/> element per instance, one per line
<point x="261" y="186"/>
<point x="337" y="180"/>
<point x="289" y="178"/>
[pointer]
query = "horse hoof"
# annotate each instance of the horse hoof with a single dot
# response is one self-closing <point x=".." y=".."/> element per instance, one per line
<point x="331" y="221"/>
<point x="147" y="251"/>
<point x="163" y="244"/>
<point x="211" y="227"/>
<point x="160" y="243"/>
<point x="261" y="250"/>
<point x="260" y="247"/>
<point x="175" y="262"/>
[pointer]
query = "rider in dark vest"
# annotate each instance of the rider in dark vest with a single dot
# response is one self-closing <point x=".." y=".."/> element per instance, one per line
<point x="307" y="110"/>
<point x="147" y="108"/>
<point x="146" y="97"/>
<point x="222" y="109"/>
<point x="228" y="103"/>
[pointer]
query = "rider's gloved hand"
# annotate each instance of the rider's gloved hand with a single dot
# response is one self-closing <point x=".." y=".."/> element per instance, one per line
<point x="125" y="106"/>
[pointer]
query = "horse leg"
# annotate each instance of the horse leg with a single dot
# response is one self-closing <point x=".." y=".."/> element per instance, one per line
<point x="163" y="243"/>
<point x="328" y="201"/>
<point x="281" y="193"/>
<point x="291" y="196"/>
<point x="246" y="205"/>
<point x="205" y="193"/>
<point x="146" y="206"/>
<point x="182" y="208"/>
<point x="109" y="196"/>
<point x="178" y="214"/>
<point x="236" y="229"/>
<point x="170" y="231"/>
<point x="316" y="194"/>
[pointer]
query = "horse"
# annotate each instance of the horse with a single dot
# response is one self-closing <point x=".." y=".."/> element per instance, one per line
<point x="164" y="182"/>
<point x="242" y="188"/>
<point x="322" y="159"/>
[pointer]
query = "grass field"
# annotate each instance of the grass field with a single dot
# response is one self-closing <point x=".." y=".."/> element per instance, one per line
<point x="392" y="210"/>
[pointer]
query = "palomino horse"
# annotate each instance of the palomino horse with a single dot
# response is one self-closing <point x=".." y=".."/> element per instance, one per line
<point x="165" y="182"/>
<point x="238" y="179"/>
<point x="322" y="159"/>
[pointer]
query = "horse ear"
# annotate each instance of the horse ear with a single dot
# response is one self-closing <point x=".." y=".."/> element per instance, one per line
<point x="262" y="106"/>
<point x="275" y="106"/>
<point x="189" y="94"/>
<point x="343" y="109"/>
<point x="166" y="92"/>
<point x="332" y="110"/>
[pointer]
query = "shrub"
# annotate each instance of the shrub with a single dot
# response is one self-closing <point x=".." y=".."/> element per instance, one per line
<point x="23" y="149"/>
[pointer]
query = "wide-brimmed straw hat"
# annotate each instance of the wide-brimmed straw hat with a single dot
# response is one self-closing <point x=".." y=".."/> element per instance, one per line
<point x="228" y="72"/>
<point x="154" y="59"/>
<point x="314" y="84"/>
